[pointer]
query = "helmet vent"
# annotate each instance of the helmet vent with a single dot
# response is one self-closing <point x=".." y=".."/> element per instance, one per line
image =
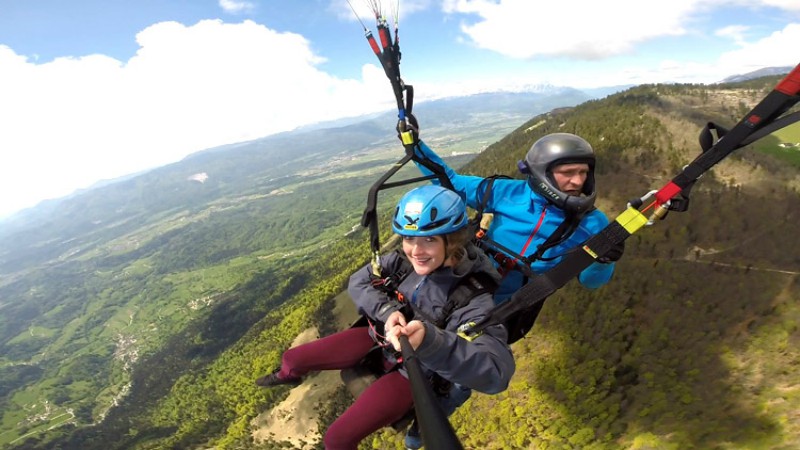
<point x="434" y="225"/>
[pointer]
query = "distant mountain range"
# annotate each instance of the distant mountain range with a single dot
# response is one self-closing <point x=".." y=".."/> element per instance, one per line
<point x="453" y="115"/>
<point x="356" y="131"/>
<point x="765" y="72"/>
<point x="457" y="108"/>
<point x="253" y="168"/>
<point x="533" y="99"/>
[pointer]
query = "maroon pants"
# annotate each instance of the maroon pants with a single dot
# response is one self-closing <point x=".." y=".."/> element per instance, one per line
<point x="384" y="402"/>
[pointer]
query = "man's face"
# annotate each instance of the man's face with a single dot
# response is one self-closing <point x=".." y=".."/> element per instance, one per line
<point x="570" y="177"/>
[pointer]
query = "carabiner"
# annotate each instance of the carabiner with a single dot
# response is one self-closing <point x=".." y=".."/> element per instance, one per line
<point x="658" y="213"/>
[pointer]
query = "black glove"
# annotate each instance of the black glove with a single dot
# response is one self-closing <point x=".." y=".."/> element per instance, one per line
<point x="613" y="254"/>
<point x="409" y="124"/>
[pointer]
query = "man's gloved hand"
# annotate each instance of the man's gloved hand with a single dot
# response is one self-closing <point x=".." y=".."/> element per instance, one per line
<point x="408" y="130"/>
<point x="614" y="254"/>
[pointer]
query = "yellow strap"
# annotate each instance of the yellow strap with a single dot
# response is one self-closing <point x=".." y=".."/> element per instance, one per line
<point x="632" y="220"/>
<point x="376" y="264"/>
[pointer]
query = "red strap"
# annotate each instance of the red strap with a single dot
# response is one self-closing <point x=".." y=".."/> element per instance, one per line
<point x="533" y="233"/>
<point x="667" y="192"/>
<point x="374" y="45"/>
<point x="791" y="84"/>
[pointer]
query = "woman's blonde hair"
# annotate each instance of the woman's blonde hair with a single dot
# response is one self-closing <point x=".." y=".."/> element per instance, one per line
<point x="455" y="244"/>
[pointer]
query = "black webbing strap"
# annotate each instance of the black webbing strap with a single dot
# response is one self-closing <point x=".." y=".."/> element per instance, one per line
<point x="559" y="235"/>
<point x="751" y="127"/>
<point x="545" y="284"/>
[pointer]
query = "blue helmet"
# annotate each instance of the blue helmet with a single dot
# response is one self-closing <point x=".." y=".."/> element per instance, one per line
<point x="429" y="211"/>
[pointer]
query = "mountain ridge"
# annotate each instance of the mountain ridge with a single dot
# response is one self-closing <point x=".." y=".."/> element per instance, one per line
<point x="759" y="73"/>
<point x="515" y="103"/>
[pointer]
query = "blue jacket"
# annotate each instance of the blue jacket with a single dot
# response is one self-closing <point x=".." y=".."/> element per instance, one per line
<point x="521" y="215"/>
<point x="486" y="363"/>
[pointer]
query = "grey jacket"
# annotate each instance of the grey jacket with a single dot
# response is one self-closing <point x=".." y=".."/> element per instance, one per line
<point x="485" y="363"/>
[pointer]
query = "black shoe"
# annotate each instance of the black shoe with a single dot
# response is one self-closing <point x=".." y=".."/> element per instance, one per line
<point x="273" y="380"/>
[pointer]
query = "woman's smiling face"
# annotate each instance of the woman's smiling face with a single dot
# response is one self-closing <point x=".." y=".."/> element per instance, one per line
<point x="426" y="253"/>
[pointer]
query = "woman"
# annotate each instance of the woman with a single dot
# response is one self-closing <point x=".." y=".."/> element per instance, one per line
<point x="432" y="223"/>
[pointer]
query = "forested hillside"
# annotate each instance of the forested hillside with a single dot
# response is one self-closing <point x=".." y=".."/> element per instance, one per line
<point x="692" y="345"/>
<point x="108" y="296"/>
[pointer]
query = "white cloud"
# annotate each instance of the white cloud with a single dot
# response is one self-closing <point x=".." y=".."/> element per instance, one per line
<point x="577" y="29"/>
<point x="770" y="51"/>
<point x="72" y="121"/>
<point x="236" y="7"/>
<point x="561" y="42"/>
<point x="580" y="29"/>
<point x="735" y="32"/>
<point x="777" y="49"/>
<point x="788" y="5"/>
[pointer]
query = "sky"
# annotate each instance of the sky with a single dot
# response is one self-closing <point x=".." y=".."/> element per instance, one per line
<point x="93" y="90"/>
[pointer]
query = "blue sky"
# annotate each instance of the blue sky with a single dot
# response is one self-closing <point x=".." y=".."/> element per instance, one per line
<point x="93" y="90"/>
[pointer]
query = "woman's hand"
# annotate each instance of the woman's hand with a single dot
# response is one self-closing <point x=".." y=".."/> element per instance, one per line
<point x="415" y="331"/>
<point x="395" y="319"/>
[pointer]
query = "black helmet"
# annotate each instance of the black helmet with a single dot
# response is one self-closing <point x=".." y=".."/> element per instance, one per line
<point x="553" y="150"/>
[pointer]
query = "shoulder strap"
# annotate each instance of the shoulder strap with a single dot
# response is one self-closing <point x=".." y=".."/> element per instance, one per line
<point x="559" y="235"/>
<point x="391" y="277"/>
<point x="464" y="291"/>
<point x="460" y="294"/>
<point x="487" y="183"/>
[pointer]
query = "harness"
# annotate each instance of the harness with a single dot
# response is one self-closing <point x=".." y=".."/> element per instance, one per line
<point x="506" y="258"/>
<point x="766" y="117"/>
<point x="437" y="430"/>
<point x="459" y="296"/>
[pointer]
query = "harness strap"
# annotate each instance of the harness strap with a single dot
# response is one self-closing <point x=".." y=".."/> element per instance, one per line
<point x="559" y="235"/>
<point x="508" y="259"/>
<point x="459" y="296"/>
<point x="779" y="100"/>
<point x="545" y="284"/>
<point x="465" y="290"/>
<point x="534" y="232"/>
